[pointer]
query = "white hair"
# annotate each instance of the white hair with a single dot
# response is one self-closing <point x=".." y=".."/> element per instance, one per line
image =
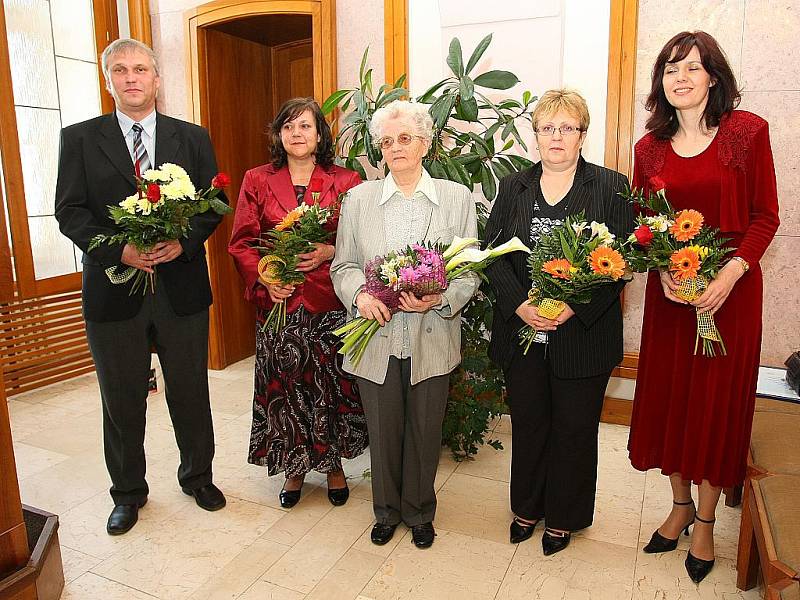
<point x="123" y="46"/>
<point x="415" y="113"/>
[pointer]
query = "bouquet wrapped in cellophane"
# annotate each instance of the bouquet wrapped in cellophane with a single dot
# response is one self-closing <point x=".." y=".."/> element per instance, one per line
<point x="159" y="211"/>
<point x="296" y="234"/>
<point x="421" y="270"/>
<point x="566" y="266"/>
<point x="678" y="242"/>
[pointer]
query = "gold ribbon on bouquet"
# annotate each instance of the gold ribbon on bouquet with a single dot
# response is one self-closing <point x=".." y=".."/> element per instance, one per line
<point x="690" y="290"/>
<point x="547" y="308"/>
<point x="267" y="267"/>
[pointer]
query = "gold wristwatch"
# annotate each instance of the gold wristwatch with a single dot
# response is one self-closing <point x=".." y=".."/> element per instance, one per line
<point x="743" y="262"/>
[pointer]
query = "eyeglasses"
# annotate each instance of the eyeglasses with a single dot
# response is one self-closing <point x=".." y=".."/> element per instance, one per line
<point x="404" y="139"/>
<point x="564" y="130"/>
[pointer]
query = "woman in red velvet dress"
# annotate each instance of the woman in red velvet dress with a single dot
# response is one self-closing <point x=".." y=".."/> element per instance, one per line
<point x="306" y="411"/>
<point x="692" y="414"/>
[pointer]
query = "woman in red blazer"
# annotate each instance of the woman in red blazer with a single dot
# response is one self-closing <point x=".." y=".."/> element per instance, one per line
<point x="306" y="411"/>
<point x="692" y="414"/>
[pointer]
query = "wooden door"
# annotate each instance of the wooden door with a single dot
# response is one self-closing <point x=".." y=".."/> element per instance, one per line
<point x="292" y="71"/>
<point x="238" y="113"/>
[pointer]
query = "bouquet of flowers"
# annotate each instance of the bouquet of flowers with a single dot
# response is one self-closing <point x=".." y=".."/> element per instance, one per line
<point x="159" y="211"/>
<point x="295" y="234"/>
<point x="678" y="242"/>
<point x="418" y="269"/>
<point x="566" y="265"/>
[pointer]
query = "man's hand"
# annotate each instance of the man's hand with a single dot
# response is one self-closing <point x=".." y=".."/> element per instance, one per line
<point x="138" y="260"/>
<point x="410" y="303"/>
<point x="165" y="252"/>
<point x="311" y="260"/>
<point x="370" y="307"/>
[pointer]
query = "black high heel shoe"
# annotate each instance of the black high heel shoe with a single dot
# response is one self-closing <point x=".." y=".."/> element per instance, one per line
<point x="697" y="568"/>
<point x="520" y="530"/>
<point x="658" y="543"/>
<point x="288" y="498"/>
<point x="554" y="541"/>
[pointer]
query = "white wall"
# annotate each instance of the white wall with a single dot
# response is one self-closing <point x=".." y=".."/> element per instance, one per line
<point x="547" y="44"/>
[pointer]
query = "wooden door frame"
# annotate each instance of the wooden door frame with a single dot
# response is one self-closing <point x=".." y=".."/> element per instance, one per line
<point x="196" y="20"/>
<point x="323" y="27"/>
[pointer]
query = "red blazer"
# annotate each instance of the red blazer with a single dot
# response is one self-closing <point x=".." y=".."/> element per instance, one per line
<point x="748" y="179"/>
<point x="265" y="197"/>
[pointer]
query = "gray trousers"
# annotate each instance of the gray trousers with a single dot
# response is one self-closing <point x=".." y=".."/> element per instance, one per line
<point x="121" y="352"/>
<point x="405" y="436"/>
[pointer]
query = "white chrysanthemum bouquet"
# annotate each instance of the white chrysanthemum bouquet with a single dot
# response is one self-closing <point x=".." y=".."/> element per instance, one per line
<point x="159" y="211"/>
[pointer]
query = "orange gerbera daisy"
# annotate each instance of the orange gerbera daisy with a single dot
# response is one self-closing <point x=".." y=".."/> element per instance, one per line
<point x="558" y="268"/>
<point x="606" y="261"/>
<point x="685" y="263"/>
<point x="290" y="219"/>
<point x="687" y="225"/>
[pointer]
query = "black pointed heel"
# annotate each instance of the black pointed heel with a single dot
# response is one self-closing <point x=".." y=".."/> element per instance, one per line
<point x="554" y="541"/>
<point x="658" y="543"/>
<point x="697" y="568"/>
<point x="520" y="530"/>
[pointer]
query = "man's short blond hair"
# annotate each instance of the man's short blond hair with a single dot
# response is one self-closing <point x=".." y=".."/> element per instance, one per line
<point x="570" y="101"/>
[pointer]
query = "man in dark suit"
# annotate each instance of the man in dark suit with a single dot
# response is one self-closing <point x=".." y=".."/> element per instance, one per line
<point x="97" y="165"/>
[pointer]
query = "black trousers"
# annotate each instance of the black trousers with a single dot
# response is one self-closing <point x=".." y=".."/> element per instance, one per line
<point x="405" y="438"/>
<point x="121" y="352"/>
<point x="554" y="444"/>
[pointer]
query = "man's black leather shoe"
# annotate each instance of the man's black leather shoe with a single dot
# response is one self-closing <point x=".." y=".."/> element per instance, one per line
<point x="207" y="497"/>
<point x="423" y="535"/>
<point x="382" y="533"/>
<point x="123" y="518"/>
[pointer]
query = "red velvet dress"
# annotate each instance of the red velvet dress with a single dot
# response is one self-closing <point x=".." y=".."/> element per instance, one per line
<point x="692" y="414"/>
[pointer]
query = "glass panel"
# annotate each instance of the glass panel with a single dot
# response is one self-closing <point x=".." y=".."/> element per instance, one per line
<point x="73" y="29"/>
<point x="78" y="90"/>
<point x="39" y="131"/>
<point x="52" y="252"/>
<point x="30" y="47"/>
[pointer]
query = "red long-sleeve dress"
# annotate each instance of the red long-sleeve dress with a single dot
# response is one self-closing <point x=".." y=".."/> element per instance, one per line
<point x="693" y="414"/>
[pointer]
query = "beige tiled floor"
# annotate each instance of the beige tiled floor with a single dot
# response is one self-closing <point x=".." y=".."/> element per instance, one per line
<point x="254" y="550"/>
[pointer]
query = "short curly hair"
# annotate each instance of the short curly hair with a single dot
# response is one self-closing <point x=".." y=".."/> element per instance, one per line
<point x="415" y="113"/>
<point x="290" y="110"/>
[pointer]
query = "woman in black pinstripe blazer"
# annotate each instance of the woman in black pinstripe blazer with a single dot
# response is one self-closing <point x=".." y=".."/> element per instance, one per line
<point x="555" y="392"/>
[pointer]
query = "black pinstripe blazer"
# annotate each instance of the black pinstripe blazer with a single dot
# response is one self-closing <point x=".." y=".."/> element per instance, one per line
<point x="590" y="343"/>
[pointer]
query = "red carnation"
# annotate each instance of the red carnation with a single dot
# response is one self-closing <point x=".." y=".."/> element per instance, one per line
<point x="643" y="235"/>
<point x="657" y="184"/>
<point x="315" y="185"/>
<point x="153" y="192"/>
<point x="221" y="180"/>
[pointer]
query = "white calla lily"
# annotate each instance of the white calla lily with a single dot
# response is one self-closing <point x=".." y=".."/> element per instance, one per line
<point x="512" y="245"/>
<point x="457" y="245"/>
<point x="467" y="255"/>
<point x="579" y="227"/>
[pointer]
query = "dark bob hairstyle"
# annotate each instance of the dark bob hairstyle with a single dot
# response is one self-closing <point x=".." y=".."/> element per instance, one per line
<point x="290" y="110"/>
<point x="723" y="96"/>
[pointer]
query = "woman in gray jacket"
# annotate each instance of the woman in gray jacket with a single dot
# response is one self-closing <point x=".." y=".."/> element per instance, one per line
<point x="403" y="375"/>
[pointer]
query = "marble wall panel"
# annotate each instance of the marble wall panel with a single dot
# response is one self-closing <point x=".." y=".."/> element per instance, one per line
<point x="781" y="313"/>
<point x="359" y="23"/>
<point x="781" y="110"/>
<point x="770" y="51"/>
<point x="659" y="21"/>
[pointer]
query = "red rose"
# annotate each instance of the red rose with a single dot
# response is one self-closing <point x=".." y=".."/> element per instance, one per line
<point x="153" y="192"/>
<point x="221" y="180"/>
<point x="315" y="185"/>
<point x="643" y="235"/>
<point x="657" y="184"/>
